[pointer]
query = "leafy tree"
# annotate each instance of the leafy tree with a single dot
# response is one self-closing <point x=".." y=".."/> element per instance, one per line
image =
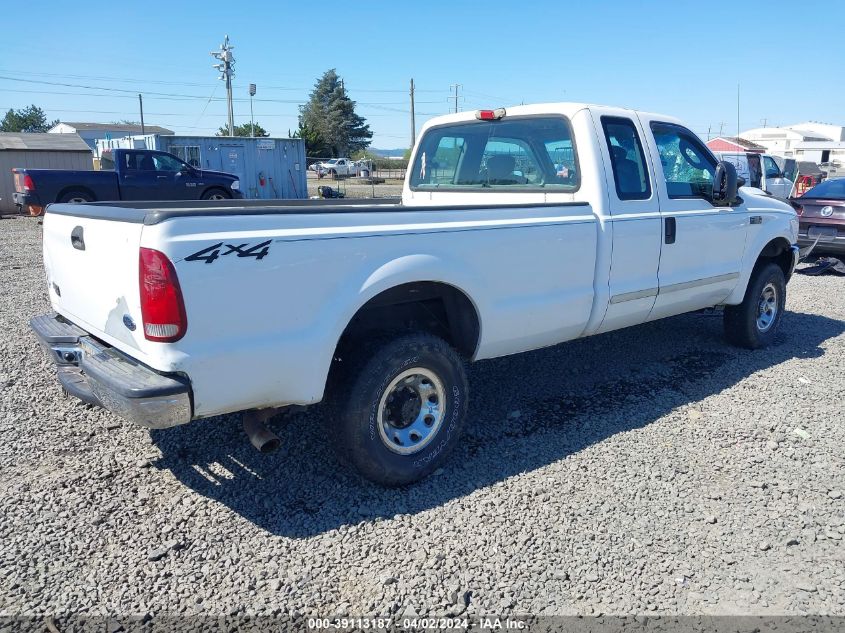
<point x="315" y="145"/>
<point x="329" y="120"/>
<point x="243" y="130"/>
<point x="29" y="119"/>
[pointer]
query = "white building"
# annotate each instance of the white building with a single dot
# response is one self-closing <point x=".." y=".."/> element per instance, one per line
<point x="820" y="143"/>
<point x="92" y="132"/>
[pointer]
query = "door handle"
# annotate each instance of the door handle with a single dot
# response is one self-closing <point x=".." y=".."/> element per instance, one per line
<point x="77" y="240"/>
<point x="669" y="230"/>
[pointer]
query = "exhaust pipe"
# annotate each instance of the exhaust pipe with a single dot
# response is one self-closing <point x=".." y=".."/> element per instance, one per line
<point x="259" y="435"/>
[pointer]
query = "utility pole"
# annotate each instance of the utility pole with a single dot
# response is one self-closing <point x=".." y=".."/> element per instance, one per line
<point x="413" y="120"/>
<point x="141" y="103"/>
<point x="227" y="72"/>
<point x="455" y="87"/>
<point x="251" y="116"/>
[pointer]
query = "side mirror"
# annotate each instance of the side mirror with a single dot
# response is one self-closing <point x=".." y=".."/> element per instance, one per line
<point x="740" y="182"/>
<point x="725" y="184"/>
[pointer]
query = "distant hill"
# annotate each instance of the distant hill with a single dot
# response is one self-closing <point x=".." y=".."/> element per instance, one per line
<point x="388" y="153"/>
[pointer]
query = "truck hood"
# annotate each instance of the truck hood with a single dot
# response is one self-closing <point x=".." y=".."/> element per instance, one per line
<point x="210" y="172"/>
<point x="764" y="199"/>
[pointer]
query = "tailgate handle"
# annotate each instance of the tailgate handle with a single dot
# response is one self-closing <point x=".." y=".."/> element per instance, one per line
<point x="76" y="239"/>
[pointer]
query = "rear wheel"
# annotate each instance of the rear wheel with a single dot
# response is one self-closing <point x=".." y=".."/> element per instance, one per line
<point x="76" y="197"/>
<point x="398" y="407"/>
<point x="754" y="322"/>
<point x="215" y="194"/>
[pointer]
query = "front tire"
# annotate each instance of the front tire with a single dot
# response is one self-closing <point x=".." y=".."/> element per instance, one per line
<point x="399" y="405"/>
<point x="216" y="194"/>
<point x="754" y="322"/>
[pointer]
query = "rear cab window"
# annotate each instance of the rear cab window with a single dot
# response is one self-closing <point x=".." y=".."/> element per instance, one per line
<point x="630" y="173"/>
<point x="528" y="153"/>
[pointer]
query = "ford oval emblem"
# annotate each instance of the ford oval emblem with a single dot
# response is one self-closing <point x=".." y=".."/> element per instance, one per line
<point x="128" y="322"/>
<point x="827" y="212"/>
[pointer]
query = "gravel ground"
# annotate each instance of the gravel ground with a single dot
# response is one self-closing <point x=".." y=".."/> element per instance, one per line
<point x="652" y="470"/>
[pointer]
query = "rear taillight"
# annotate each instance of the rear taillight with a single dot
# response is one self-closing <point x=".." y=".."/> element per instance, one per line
<point x="23" y="182"/>
<point x="162" y="307"/>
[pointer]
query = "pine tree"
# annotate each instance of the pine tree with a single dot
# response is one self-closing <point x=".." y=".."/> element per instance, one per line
<point x="328" y="122"/>
<point x="30" y="119"/>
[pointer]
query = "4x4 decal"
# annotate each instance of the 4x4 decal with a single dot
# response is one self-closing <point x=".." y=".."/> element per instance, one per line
<point x="210" y="253"/>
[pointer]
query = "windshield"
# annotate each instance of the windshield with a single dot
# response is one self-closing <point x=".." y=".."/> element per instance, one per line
<point x="828" y="189"/>
<point x="521" y="153"/>
<point x="331" y="162"/>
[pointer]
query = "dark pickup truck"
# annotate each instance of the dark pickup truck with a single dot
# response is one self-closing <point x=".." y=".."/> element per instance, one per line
<point x="127" y="174"/>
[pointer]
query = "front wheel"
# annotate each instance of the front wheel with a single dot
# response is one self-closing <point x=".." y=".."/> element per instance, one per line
<point x="754" y="322"/>
<point x="215" y="194"/>
<point x="399" y="405"/>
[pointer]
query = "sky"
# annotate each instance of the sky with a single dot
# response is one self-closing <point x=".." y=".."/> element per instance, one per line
<point x="87" y="61"/>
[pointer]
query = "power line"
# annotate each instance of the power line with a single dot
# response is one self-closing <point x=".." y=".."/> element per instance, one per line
<point x="132" y="93"/>
<point x="135" y="80"/>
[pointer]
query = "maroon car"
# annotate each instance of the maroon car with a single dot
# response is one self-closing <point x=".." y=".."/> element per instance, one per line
<point x="821" y="215"/>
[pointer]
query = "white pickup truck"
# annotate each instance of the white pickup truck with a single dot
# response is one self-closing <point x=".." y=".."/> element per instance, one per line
<point x="517" y="229"/>
<point x="337" y="167"/>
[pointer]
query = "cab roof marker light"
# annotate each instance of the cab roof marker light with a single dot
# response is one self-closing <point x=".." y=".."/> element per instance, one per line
<point x="490" y="115"/>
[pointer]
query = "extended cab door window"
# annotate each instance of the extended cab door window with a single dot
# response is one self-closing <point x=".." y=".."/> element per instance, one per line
<point x="533" y="153"/>
<point x="627" y="159"/>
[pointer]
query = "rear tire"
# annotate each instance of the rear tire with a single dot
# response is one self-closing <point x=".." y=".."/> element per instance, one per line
<point x="76" y="197"/>
<point x="398" y="407"/>
<point x="754" y="322"/>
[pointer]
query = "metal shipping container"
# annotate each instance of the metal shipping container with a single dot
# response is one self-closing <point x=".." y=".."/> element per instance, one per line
<point x="38" y="151"/>
<point x="267" y="167"/>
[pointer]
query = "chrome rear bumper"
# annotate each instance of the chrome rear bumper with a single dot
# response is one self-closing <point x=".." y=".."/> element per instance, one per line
<point x="101" y="375"/>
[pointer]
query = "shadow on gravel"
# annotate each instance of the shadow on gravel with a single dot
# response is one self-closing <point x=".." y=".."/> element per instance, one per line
<point x="567" y="398"/>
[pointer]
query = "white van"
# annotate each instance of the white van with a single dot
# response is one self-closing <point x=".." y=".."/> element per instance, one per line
<point x="753" y="167"/>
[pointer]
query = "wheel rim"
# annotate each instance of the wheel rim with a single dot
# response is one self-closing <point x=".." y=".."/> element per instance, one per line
<point x="217" y="196"/>
<point x="410" y="411"/>
<point x="77" y="200"/>
<point x="767" y="308"/>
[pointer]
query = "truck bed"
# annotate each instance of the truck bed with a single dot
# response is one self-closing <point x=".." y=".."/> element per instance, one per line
<point x="270" y="288"/>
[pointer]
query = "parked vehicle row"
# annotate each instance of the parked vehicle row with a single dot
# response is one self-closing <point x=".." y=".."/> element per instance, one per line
<point x="517" y="230"/>
<point x="763" y="171"/>
<point x="124" y="175"/>
<point x="821" y="216"/>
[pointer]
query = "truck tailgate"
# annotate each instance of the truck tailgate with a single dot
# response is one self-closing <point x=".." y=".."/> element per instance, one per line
<point x="92" y="275"/>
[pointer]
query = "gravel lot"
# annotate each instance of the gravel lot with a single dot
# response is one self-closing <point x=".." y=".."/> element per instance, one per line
<point x="652" y="470"/>
<point x="352" y="188"/>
